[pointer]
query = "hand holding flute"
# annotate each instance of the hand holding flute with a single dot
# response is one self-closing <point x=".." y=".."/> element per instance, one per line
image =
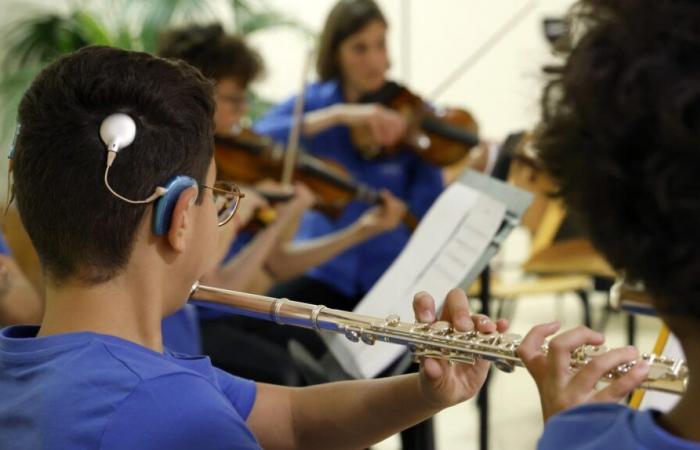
<point x="567" y="371"/>
<point x="561" y="388"/>
<point x="444" y="382"/>
<point x="563" y="382"/>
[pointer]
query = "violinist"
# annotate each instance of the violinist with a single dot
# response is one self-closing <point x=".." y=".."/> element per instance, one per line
<point x="352" y="62"/>
<point x="233" y="65"/>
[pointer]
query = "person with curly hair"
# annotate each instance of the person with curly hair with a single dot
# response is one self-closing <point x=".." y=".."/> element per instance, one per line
<point x="620" y="134"/>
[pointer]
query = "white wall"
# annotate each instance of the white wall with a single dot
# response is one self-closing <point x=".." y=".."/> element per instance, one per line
<point x="428" y="40"/>
<point x="502" y="90"/>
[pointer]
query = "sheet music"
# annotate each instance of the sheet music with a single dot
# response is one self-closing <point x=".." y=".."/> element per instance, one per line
<point x="447" y="243"/>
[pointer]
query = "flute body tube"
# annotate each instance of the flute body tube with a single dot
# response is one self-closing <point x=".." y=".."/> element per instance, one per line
<point x="425" y="340"/>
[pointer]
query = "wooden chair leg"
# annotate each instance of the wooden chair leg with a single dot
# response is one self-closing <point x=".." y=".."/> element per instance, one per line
<point x="585" y="302"/>
<point x="631" y="329"/>
<point x="483" y="399"/>
<point x="419" y="437"/>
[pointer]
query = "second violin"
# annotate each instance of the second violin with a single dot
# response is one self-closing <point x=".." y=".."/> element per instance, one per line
<point x="440" y="136"/>
<point x="248" y="158"/>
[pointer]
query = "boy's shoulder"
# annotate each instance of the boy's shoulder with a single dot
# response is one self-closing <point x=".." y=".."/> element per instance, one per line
<point x="129" y="393"/>
<point x="609" y="425"/>
<point x="76" y="363"/>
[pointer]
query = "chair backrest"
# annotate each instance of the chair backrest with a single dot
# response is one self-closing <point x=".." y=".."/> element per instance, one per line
<point x="519" y="165"/>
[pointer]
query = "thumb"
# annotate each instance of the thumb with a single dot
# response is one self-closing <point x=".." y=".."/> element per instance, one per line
<point x="433" y="371"/>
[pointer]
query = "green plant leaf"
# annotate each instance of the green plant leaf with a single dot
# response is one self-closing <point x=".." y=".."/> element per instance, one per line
<point x="250" y="17"/>
<point x="90" y="29"/>
<point x="160" y="14"/>
<point x="12" y="88"/>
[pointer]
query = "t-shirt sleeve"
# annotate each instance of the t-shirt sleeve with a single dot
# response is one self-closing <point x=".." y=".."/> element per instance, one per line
<point x="594" y="426"/>
<point x="277" y="122"/>
<point x="241" y="392"/>
<point x="179" y="411"/>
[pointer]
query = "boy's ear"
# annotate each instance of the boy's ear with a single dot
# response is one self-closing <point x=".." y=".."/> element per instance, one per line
<point x="182" y="219"/>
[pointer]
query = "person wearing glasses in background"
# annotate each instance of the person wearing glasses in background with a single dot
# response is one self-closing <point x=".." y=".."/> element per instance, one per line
<point x="620" y="135"/>
<point x="241" y="256"/>
<point x="232" y="65"/>
<point x="113" y="175"/>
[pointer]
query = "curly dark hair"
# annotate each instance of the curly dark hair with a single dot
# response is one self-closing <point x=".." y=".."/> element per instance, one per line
<point x="216" y="54"/>
<point x="620" y="133"/>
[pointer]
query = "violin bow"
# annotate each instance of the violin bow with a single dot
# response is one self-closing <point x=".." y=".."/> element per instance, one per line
<point x="292" y="152"/>
<point x="485" y="47"/>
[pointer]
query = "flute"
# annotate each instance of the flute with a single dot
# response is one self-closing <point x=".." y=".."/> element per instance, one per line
<point x="425" y="340"/>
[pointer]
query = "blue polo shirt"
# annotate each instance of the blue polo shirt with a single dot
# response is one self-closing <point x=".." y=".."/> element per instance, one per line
<point x="408" y="177"/>
<point x="80" y="391"/>
<point x="609" y="426"/>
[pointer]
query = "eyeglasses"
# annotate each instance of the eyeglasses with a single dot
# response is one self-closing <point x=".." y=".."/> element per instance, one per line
<point x="226" y="199"/>
<point x="237" y="102"/>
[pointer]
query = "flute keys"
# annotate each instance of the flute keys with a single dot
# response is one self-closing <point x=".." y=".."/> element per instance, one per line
<point x="352" y="335"/>
<point x="440" y="327"/>
<point x="597" y="350"/>
<point x="586" y="352"/>
<point x="504" y="366"/>
<point x="510" y="339"/>
<point x="392" y="320"/>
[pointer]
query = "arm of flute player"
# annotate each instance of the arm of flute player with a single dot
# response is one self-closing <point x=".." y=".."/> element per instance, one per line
<point x="242" y="270"/>
<point x="559" y="387"/>
<point x="364" y="412"/>
<point x="291" y="259"/>
<point x="19" y="301"/>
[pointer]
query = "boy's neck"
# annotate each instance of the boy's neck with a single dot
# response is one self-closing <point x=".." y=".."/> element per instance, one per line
<point x="129" y="306"/>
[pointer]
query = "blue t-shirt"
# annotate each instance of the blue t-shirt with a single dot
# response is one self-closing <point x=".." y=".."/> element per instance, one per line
<point x="609" y="426"/>
<point x="84" y="390"/>
<point x="181" y="331"/>
<point x="405" y="175"/>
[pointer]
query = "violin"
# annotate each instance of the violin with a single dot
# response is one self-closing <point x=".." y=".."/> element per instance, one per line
<point x="440" y="136"/>
<point x="248" y="158"/>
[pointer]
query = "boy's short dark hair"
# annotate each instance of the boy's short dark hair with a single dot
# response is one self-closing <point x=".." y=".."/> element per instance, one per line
<point x="217" y="54"/>
<point x="621" y="135"/>
<point x="79" y="229"/>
